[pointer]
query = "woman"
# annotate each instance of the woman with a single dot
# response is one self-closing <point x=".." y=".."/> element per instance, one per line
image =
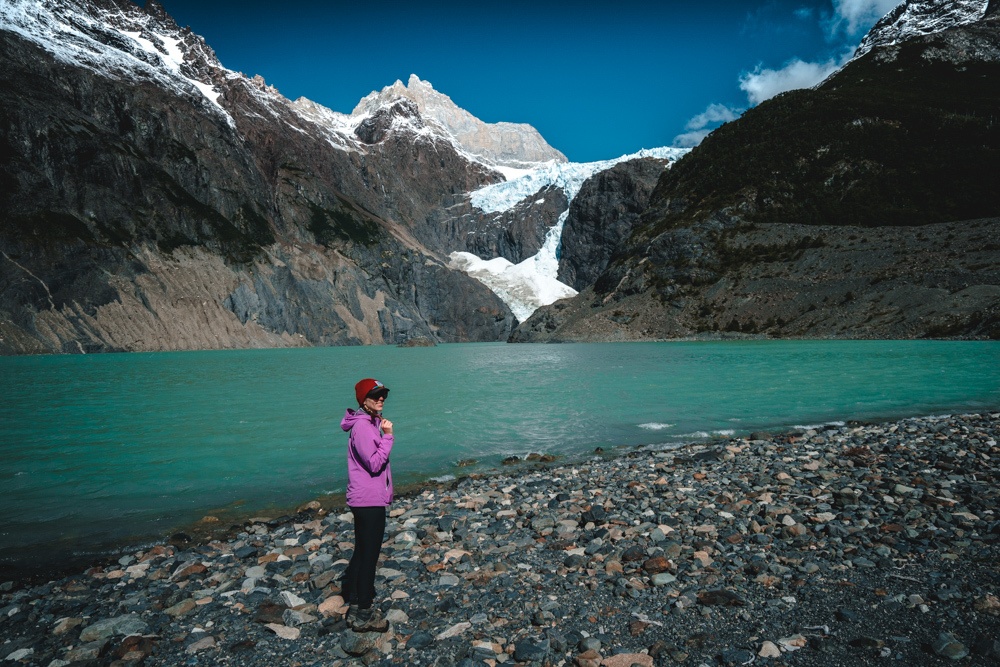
<point x="369" y="493"/>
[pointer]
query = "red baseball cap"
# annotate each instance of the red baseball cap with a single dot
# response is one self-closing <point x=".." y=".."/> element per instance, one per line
<point x="369" y="387"/>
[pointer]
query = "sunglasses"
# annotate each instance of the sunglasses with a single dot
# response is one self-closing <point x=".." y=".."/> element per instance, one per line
<point x="377" y="398"/>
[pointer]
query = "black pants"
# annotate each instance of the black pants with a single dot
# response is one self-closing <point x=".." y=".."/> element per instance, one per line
<point x="359" y="578"/>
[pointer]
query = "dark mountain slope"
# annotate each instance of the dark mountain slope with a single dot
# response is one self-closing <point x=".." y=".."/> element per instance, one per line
<point x="135" y="214"/>
<point x="605" y="211"/>
<point x="864" y="208"/>
<point x="891" y="140"/>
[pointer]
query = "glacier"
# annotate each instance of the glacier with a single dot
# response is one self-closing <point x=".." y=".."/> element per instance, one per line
<point x="568" y="176"/>
<point x="533" y="283"/>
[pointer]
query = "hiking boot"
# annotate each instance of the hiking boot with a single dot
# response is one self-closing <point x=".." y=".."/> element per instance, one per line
<point x="368" y="620"/>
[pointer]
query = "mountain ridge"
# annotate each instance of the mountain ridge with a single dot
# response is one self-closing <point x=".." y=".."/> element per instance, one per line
<point x="831" y="212"/>
<point x="114" y="182"/>
<point x="130" y="155"/>
<point x="909" y="20"/>
<point x="171" y="203"/>
<point x="501" y="144"/>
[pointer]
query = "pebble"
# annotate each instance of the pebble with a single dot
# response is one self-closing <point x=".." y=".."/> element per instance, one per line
<point x="769" y="650"/>
<point x="121" y="625"/>
<point x="829" y="546"/>
<point x="947" y="646"/>
<point x="201" y="645"/>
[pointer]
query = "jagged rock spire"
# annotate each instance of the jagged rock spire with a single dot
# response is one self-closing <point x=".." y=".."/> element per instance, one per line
<point x="513" y="144"/>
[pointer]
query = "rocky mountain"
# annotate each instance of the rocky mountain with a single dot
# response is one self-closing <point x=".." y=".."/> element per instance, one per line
<point x="909" y="20"/>
<point x="152" y="199"/>
<point x="501" y="144"/>
<point x="866" y="207"/>
<point x="606" y="210"/>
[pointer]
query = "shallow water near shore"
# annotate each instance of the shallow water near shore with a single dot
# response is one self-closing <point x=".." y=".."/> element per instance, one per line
<point x="105" y="449"/>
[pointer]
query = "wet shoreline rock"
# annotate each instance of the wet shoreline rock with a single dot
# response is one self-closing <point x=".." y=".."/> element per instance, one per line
<point x="847" y="545"/>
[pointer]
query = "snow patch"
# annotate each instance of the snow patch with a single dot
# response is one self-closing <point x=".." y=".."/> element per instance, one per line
<point x="569" y="176"/>
<point x="118" y="44"/>
<point x="521" y="286"/>
<point x="921" y="17"/>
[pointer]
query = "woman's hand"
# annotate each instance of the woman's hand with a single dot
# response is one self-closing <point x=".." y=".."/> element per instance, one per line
<point x="386" y="426"/>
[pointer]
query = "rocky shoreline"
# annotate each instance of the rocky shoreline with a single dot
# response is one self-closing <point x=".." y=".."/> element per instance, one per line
<point x="849" y="545"/>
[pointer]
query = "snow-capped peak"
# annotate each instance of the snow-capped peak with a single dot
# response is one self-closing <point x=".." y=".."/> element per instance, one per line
<point x="916" y="18"/>
<point x="514" y="145"/>
<point x="419" y="110"/>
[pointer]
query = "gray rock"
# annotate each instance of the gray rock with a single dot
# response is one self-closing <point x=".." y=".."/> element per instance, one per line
<point x="663" y="579"/>
<point x="129" y="624"/>
<point x="420" y="639"/>
<point x="448" y="579"/>
<point x="947" y="646"/>
<point x="528" y="650"/>
<point x="360" y="643"/>
<point x="86" y="652"/>
<point x="736" y="656"/>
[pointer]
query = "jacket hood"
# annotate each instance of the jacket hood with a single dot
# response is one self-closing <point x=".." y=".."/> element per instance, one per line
<point x="352" y="417"/>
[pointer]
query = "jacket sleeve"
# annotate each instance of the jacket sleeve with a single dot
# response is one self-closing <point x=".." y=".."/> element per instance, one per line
<point x="371" y="448"/>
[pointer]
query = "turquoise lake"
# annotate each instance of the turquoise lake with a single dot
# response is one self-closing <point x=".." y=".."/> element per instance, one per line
<point x="119" y="449"/>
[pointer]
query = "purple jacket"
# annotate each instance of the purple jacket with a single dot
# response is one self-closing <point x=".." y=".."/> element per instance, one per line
<point x="369" y="477"/>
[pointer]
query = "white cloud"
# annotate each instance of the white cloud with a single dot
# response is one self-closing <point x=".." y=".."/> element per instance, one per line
<point x="763" y="84"/>
<point x="690" y="139"/>
<point x="859" y="14"/>
<point x="850" y="17"/>
<point x="844" y="26"/>
<point x="699" y="126"/>
<point x="714" y="113"/>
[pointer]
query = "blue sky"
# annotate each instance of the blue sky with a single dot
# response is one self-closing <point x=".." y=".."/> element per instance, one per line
<point x="597" y="79"/>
